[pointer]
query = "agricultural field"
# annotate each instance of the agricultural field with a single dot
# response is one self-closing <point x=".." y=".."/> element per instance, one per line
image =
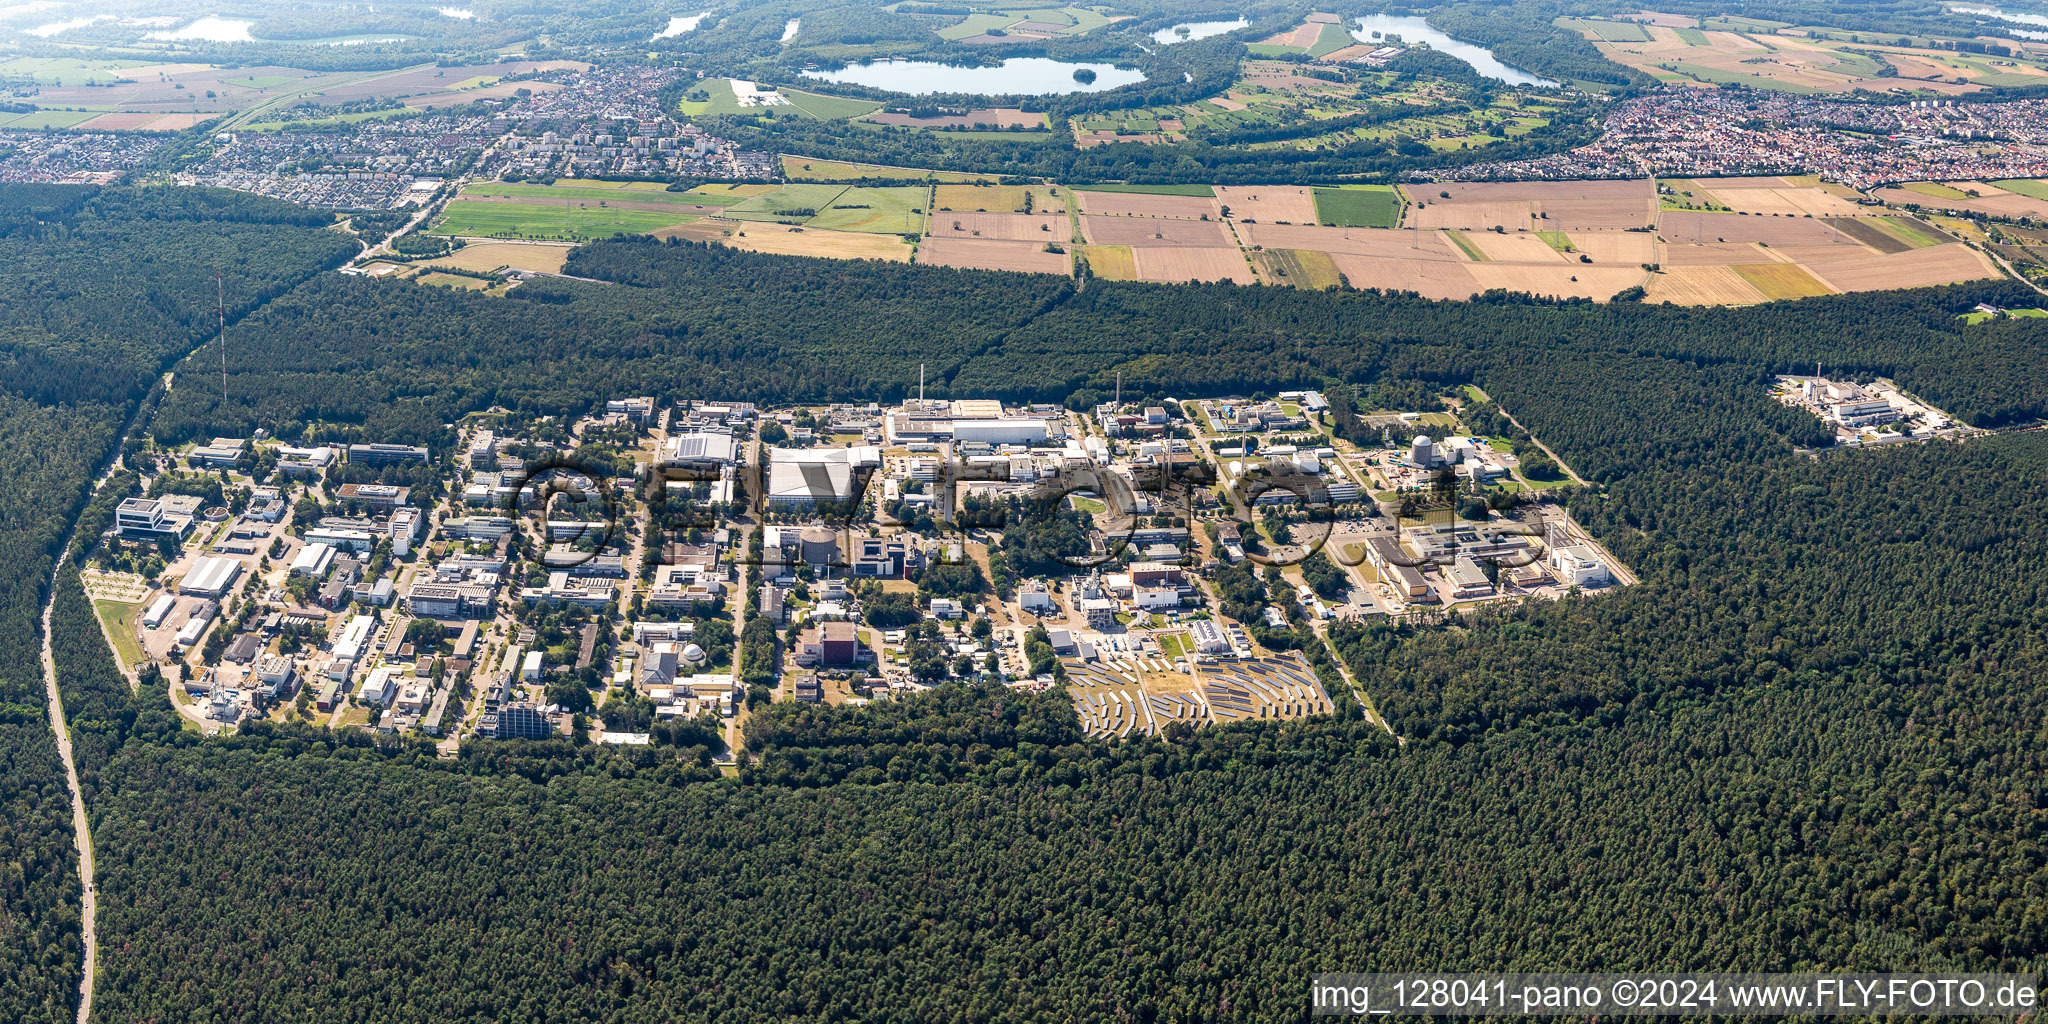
<point x="993" y="254"/>
<point x="1283" y="103"/>
<point x="1042" y="199"/>
<point x="898" y="211"/>
<point x="1801" y="59"/>
<point x="536" y="257"/>
<point x="735" y="96"/>
<point x="790" y="240"/>
<point x="1318" y="36"/>
<point x="994" y="27"/>
<point x="512" y="218"/>
<point x="1358" y="206"/>
<point x="1739" y="241"/>
<point x="994" y="118"/>
<point x="803" y="168"/>
<point x="1971" y="197"/>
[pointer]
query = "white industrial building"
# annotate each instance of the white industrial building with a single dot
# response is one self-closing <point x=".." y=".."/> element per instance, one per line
<point x="211" y="577"/>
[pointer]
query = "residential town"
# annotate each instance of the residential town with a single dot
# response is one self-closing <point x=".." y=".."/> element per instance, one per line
<point x="1736" y="132"/>
<point x="668" y="565"/>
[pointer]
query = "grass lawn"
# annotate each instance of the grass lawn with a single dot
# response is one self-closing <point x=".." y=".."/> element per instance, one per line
<point x="1153" y="190"/>
<point x="541" y="220"/>
<point x="1978" y="318"/>
<point x="882" y="211"/>
<point x="1088" y="505"/>
<point x="1557" y="240"/>
<point x="120" y="619"/>
<point x="1372" y="206"/>
<point x="1173" y="645"/>
<point x="464" y="282"/>
<point x="785" y="205"/>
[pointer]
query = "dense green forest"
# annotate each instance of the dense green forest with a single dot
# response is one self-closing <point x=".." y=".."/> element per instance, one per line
<point x="101" y="289"/>
<point x="1812" y="737"/>
<point x="704" y="321"/>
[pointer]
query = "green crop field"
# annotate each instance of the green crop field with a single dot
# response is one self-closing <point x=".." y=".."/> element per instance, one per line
<point x="787" y="204"/>
<point x="45" y="119"/>
<point x="1153" y="190"/>
<point x="2021" y="186"/>
<point x="542" y="220"/>
<point x="577" y="192"/>
<point x="1366" y="206"/>
<point x="882" y="211"/>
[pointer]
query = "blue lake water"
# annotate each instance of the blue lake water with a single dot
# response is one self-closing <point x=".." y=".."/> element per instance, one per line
<point x="1196" y="30"/>
<point x="1017" y="76"/>
<point x="1415" y="30"/>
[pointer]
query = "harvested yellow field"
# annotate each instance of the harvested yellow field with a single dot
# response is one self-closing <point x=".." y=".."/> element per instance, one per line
<point x="1941" y="264"/>
<point x="1015" y="227"/>
<point x="1431" y="279"/>
<point x="988" y="254"/>
<point x="1558" y="280"/>
<point x="1155" y="231"/>
<point x="1711" y="254"/>
<point x="1269" y="204"/>
<point x="1390" y="242"/>
<point x="1634" y="247"/>
<point x="787" y="240"/>
<point x="1139" y="204"/>
<point x="1783" y="200"/>
<point x="1301" y="268"/>
<point x="1432" y="212"/>
<point x="1514" y="248"/>
<point x="1782" y="280"/>
<point x="539" y="258"/>
<point x="1701" y="286"/>
<point x="1181" y="263"/>
<point x="1110" y="262"/>
<point x="999" y="199"/>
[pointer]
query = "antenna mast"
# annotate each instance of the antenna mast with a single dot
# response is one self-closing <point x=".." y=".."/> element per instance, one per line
<point x="221" y="306"/>
<point x="920" y="385"/>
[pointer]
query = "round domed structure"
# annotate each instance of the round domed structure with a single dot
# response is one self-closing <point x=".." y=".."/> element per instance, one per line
<point x="820" y="546"/>
<point x="1422" y="451"/>
<point x="693" y="654"/>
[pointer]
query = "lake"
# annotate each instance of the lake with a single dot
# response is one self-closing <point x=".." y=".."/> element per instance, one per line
<point x="1017" y="76"/>
<point x="1415" y="30"/>
<point x="2009" y="16"/>
<point x="211" y="29"/>
<point x="678" y="25"/>
<point x="1196" y="30"/>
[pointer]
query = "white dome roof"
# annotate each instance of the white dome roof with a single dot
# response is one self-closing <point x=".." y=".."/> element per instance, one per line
<point x="692" y="652"/>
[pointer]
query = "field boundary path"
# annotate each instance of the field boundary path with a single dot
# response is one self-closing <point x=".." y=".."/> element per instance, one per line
<point x="81" y="831"/>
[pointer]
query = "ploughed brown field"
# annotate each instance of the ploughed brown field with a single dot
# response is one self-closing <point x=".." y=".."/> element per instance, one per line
<point x="1186" y="263"/>
<point x="1134" y="204"/>
<point x="988" y="254"/>
<point x="1155" y="231"/>
<point x="1015" y="227"/>
<point x="1295" y="204"/>
<point x="987" y="117"/>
